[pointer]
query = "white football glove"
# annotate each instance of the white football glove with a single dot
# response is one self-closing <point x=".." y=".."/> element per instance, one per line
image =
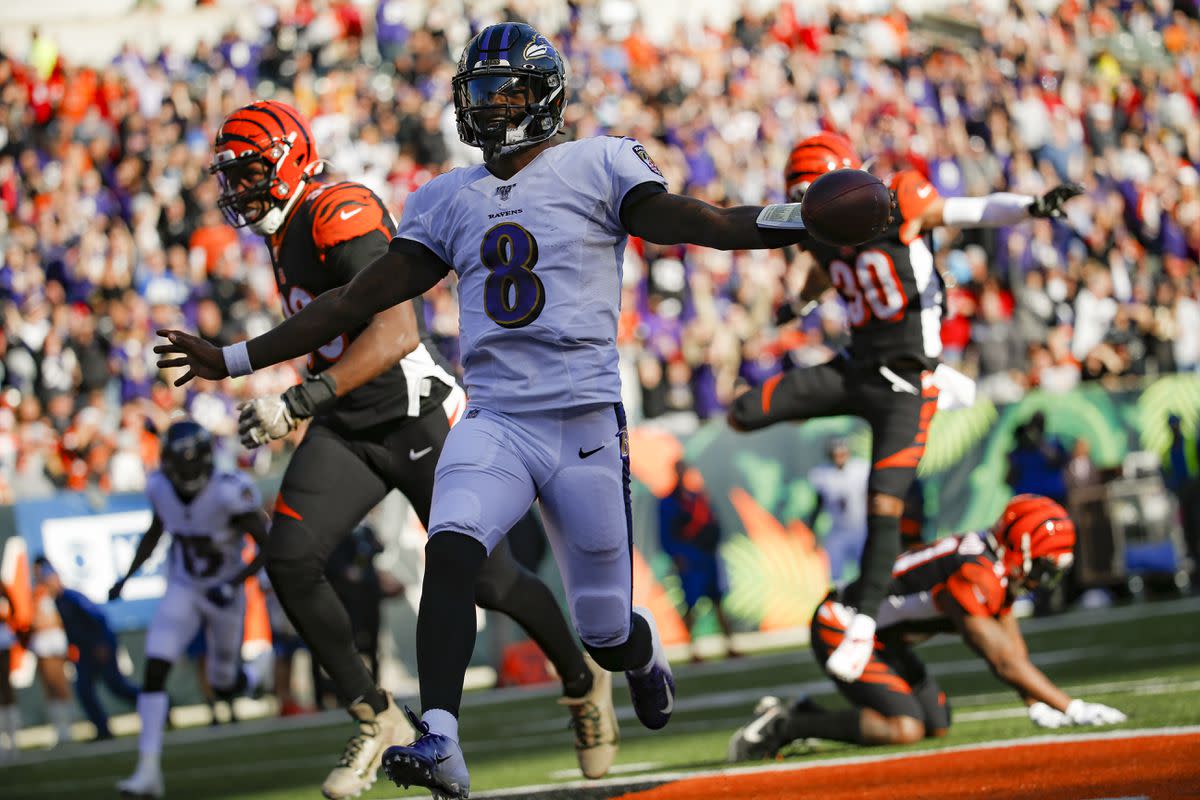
<point x="1083" y="713"/>
<point x="1045" y="716"/>
<point x="850" y="658"/>
<point x="264" y="419"/>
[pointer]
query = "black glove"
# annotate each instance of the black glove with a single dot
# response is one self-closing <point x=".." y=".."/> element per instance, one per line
<point x="221" y="595"/>
<point x="115" y="591"/>
<point x="316" y="394"/>
<point x="1050" y="205"/>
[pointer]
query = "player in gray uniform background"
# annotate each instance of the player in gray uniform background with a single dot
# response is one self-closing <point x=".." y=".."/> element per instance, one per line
<point x="207" y="511"/>
<point x="536" y="236"/>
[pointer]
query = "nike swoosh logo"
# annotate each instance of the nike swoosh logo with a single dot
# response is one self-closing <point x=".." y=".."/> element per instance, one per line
<point x="345" y="215"/>
<point x="442" y="759"/>
<point x="753" y="732"/>
<point x="585" y="453"/>
<point x="924" y="191"/>
<point x="415" y="455"/>
<point x="670" y="706"/>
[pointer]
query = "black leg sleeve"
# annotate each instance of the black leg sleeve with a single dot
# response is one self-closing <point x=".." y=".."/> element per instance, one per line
<point x="634" y="653"/>
<point x="879" y="554"/>
<point x="326" y="492"/>
<point x="446" y="619"/>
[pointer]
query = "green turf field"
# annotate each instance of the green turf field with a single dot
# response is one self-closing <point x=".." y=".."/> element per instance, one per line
<point x="1144" y="660"/>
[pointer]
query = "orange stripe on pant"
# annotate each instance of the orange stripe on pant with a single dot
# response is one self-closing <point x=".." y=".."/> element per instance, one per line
<point x="768" y="389"/>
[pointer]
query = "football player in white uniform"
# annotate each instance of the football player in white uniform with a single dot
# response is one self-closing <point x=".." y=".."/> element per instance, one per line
<point x="536" y="235"/>
<point x="206" y="511"/>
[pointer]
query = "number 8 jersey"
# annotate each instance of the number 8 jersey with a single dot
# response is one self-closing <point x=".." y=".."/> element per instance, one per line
<point x="538" y="258"/>
<point x="893" y="293"/>
<point x="205" y="547"/>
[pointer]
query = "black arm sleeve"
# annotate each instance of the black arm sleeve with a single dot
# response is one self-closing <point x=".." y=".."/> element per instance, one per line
<point x="353" y="256"/>
<point x="635" y="195"/>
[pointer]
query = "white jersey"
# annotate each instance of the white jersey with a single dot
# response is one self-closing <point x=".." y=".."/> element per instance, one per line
<point x="843" y="494"/>
<point x="205" y="547"/>
<point x="539" y="259"/>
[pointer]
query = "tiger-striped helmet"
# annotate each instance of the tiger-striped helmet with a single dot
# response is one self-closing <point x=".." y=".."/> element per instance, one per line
<point x="262" y="156"/>
<point x="813" y="157"/>
<point x="1035" y="538"/>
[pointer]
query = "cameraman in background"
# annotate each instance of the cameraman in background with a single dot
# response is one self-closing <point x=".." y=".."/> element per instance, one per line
<point x="1180" y="476"/>
<point x="1037" y="463"/>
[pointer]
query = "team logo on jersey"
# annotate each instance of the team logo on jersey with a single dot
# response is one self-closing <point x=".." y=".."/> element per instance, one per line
<point x="503" y="192"/>
<point x="641" y="153"/>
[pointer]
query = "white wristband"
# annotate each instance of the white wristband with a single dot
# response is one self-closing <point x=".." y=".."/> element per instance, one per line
<point x="997" y="210"/>
<point x="237" y="359"/>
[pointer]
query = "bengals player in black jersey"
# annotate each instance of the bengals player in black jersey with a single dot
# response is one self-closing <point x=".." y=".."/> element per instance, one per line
<point x="961" y="584"/>
<point x="893" y="297"/>
<point x="381" y="403"/>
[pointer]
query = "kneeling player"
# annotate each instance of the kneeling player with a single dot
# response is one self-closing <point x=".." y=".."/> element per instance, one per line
<point x="206" y="511"/>
<point x="963" y="584"/>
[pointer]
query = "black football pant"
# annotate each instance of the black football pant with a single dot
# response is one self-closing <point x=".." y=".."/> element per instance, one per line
<point x="331" y="483"/>
<point x="898" y="411"/>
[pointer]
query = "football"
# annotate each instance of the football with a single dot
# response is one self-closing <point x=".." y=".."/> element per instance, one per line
<point x="846" y="207"/>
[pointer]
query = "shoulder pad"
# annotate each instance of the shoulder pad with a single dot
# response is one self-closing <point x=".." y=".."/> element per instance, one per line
<point x="345" y="211"/>
<point x="914" y="195"/>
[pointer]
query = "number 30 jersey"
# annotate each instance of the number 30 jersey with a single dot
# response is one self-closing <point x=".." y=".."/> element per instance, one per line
<point x="206" y="549"/>
<point x="893" y="293"/>
<point x="539" y="259"/>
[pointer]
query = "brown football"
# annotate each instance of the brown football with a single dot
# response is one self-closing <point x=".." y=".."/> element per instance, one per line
<point x="846" y="207"/>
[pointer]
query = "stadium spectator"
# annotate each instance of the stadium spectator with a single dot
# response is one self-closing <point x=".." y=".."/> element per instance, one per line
<point x="108" y="224"/>
<point x="1181" y="474"/>
<point x="10" y="714"/>
<point x="1037" y="462"/>
<point x="87" y="630"/>
<point x="690" y="535"/>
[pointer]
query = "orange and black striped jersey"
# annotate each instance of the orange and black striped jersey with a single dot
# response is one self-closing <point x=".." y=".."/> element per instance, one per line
<point x="335" y="231"/>
<point x="892" y="292"/>
<point x="962" y="569"/>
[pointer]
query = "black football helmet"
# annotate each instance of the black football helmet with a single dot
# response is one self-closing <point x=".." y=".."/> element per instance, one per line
<point x="510" y="89"/>
<point x="187" y="457"/>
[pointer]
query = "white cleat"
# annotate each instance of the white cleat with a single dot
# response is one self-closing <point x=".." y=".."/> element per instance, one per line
<point x="358" y="767"/>
<point x="146" y="783"/>
<point x="595" y="723"/>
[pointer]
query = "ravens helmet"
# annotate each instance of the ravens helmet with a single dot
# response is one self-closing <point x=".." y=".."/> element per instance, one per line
<point x="509" y="90"/>
<point x="187" y="457"/>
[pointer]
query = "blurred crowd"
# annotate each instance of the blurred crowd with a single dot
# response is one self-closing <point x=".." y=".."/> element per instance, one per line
<point x="109" y="227"/>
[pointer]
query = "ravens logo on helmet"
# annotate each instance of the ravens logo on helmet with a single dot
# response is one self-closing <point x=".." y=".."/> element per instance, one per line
<point x="187" y="457"/>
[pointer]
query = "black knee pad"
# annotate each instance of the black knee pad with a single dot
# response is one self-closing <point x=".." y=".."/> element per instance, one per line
<point x="634" y="653"/>
<point x="155" y="677"/>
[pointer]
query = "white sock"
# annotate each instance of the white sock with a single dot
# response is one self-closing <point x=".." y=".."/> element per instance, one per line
<point x="152" y="708"/>
<point x="10" y="721"/>
<point x="59" y="712"/>
<point x="441" y="722"/>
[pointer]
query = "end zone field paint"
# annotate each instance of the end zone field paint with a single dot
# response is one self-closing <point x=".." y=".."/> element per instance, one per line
<point x="1153" y="764"/>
